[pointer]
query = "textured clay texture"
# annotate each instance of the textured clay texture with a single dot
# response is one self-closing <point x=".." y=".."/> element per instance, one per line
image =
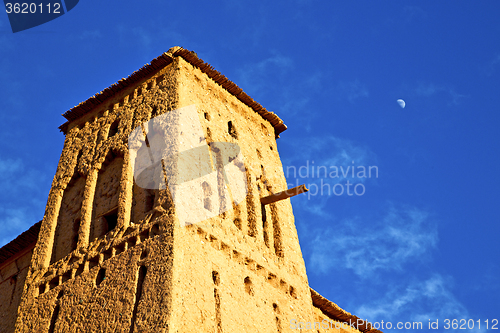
<point x="112" y="256"/>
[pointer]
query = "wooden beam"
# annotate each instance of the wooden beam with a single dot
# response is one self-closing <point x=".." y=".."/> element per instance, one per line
<point x="283" y="194"/>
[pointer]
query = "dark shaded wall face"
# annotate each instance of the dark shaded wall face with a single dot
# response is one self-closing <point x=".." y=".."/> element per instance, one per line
<point x="12" y="277"/>
<point x="68" y="221"/>
<point x="81" y="270"/>
<point x="107" y="191"/>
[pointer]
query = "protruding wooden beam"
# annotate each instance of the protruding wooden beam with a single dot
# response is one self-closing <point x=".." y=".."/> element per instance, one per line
<point x="283" y="194"/>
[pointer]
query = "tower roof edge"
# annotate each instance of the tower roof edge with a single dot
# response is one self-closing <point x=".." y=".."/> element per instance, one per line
<point x="157" y="64"/>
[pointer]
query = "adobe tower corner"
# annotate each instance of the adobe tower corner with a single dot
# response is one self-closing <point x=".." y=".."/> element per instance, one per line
<point x="113" y="256"/>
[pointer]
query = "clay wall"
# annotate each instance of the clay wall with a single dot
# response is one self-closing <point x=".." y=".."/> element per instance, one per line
<point x="12" y="276"/>
<point x="68" y="221"/>
<point x="97" y="285"/>
<point x="241" y="271"/>
<point x="114" y="257"/>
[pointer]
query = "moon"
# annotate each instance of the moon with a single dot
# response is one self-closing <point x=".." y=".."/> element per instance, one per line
<point x="401" y="103"/>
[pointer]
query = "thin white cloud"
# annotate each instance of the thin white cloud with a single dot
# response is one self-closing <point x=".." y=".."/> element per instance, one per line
<point x="431" y="89"/>
<point x="293" y="106"/>
<point x="252" y="76"/>
<point x="418" y="301"/>
<point x="22" y="198"/>
<point x="328" y="161"/>
<point x="143" y="36"/>
<point x="14" y="221"/>
<point x="150" y="39"/>
<point x="351" y="90"/>
<point x="329" y="151"/>
<point x="404" y="234"/>
<point x="8" y="167"/>
<point x="16" y="178"/>
<point x="90" y="34"/>
<point x="493" y="65"/>
<point x="287" y="98"/>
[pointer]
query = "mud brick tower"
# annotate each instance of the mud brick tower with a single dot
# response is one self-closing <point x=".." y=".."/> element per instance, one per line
<point x="113" y="256"/>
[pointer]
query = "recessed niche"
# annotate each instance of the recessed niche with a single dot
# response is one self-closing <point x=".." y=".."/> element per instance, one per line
<point x="248" y="286"/>
<point x="215" y="277"/>
<point x="119" y="248"/>
<point x="107" y="254"/>
<point x="79" y="270"/>
<point x="144" y="253"/>
<point x="93" y="262"/>
<point x="144" y="235"/>
<point x="41" y="288"/>
<point x="111" y="219"/>
<point x="232" y="130"/>
<point x="101" y="275"/>
<point x="113" y="129"/>
<point x="106" y="197"/>
<point x="66" y="276"/>
<point x="264" y="129"/>
<point x="155" y="230"/>
<point x="54" y="282"/>
<point x="132" y="241"/>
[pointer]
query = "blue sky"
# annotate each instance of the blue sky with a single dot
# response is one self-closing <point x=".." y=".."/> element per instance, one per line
<point x="421" y="242"/>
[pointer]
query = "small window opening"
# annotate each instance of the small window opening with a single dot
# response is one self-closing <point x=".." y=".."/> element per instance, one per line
<point x="231" y="130"/>
<point x="101" y="276"/>
<point x="79" y="270"/>
<point x="41" y="289"/>
<point x="54" y="282"/>
<point x="122" y="247"/>
<point x="155" y="230"/>
<point x="106" y="254"/>
<point x="159" y="79"/>
<point x="113" y="129"/>
<point x="132" y="241"/>
<point x="93" y="262"/>
<point x="111" y="220"/>
<point x="66" y="276"/>
<point x="144" y="235"/>
<point x="76" y="228"/>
